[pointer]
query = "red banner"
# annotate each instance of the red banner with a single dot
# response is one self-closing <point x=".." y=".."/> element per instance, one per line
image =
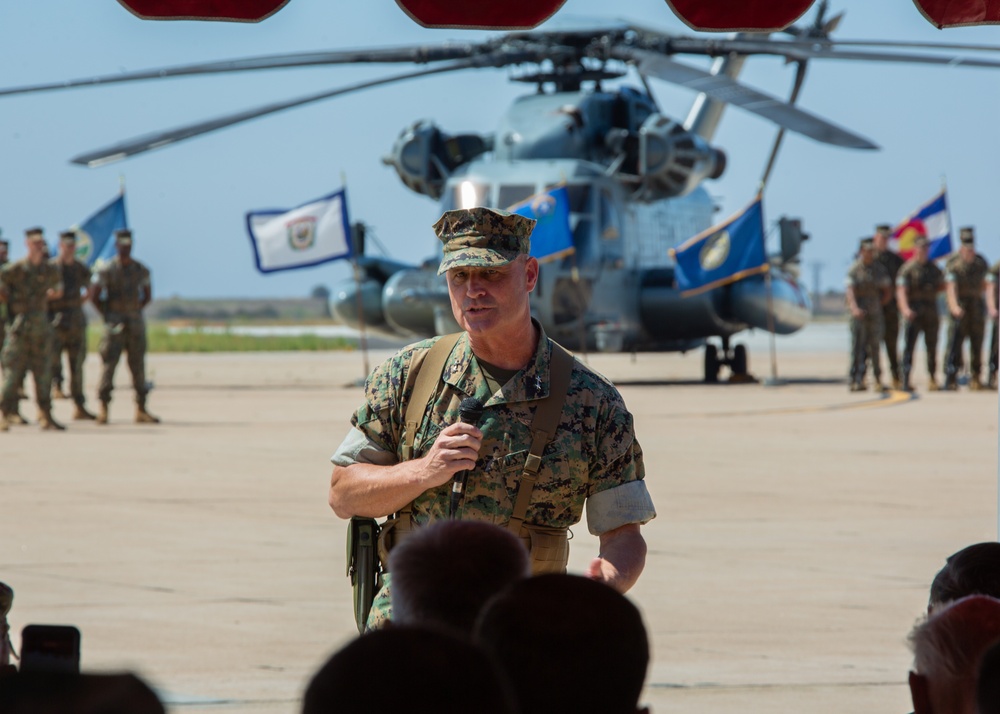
<point x="737" y="15"/>
<point x="480" y="14"/>
<point x="956" y="13"/>
<point x="225" y="10"/>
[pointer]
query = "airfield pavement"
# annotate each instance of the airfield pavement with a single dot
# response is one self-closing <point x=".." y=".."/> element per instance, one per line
<point x="799" y="528"/>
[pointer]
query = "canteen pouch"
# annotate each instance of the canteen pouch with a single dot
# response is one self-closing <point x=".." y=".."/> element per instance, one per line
<point x="394" y="531"/>
<point x="363" y="566"/>
<point x="548" y="548"/>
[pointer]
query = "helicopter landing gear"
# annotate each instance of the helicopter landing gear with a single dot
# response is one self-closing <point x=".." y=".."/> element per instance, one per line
<point x="711" y="364"/>
<point x="736" y="359"/>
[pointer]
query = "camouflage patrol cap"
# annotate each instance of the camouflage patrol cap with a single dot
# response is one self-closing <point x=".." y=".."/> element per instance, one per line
<point x="866" y="242"/>
<point x="883" y="228"/>
<point x="67" y="236"/>
<point x="123" y="236"/>
<point x="967" y="235"/>
<point x="921" y="241"/>
<point x="35" y="233"/>
<point x="482" y="237"/>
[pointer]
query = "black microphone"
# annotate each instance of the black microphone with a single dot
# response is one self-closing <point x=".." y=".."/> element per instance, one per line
<point x="470" y="411"/>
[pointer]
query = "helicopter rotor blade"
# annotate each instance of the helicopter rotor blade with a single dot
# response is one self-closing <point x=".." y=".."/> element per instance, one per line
<point x="422" y="54"/>
<point x="157" y="140"/>
<point x="722" y="88"/>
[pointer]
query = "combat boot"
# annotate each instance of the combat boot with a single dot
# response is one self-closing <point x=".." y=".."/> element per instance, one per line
<point x="16" y="418"/>
<point x="4" y="422"/>
<point x="950" y="384"/>
<point x="81" y="413"/>
<point x="57" y="392"/>
<point x="47" y="423"/>
<point x="144" y="417"/>
<point x="974" y="384"/>
<point x="992" y="384"/>
<point x="102" y="415"/>
<point x="932" y="385"/>
<point x="897" y="384"/>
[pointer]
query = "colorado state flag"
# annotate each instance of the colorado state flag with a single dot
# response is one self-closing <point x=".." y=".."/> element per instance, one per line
<point x="722" y="254"/>
<point x="551" y="238"/>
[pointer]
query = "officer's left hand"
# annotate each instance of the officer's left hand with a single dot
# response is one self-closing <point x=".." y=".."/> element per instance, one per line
<point x="602" y="571"/>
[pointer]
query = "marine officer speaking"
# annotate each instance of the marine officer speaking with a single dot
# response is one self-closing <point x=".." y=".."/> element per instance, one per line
<point x="590" y="459"/>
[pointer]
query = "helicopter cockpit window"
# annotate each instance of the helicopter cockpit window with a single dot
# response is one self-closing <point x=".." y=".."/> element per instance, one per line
<point x="466" y="194"/>
<point x="510" y="194"/>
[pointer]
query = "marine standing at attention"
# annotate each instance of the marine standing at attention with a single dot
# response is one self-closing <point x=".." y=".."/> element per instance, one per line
<point x="965" y="281"/>
<point x="917" y="288"/>
<point x="4" y="311"/>
<point x="892" y="262"/>
<point x="993" y="309"/>
<point x="390" y="464"/>
<point x="27" y="285"/>
<point x="121" y="289"/>
<point x="867" y="289"/>
<point x="69" y="324"/>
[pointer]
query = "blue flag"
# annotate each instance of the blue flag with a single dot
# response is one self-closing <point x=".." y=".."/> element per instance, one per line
<point x="552" y="238"/>
<point x="722" y="254"/>
<point x="313" y="233"/>
<point x="93" y="237"/>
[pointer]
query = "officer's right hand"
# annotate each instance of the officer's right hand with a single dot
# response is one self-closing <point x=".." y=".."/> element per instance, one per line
<point x="857" y="312"/>
<point x="958" y="313"/>
<point x="909" y="315"/>
<point x="455" y="449"/>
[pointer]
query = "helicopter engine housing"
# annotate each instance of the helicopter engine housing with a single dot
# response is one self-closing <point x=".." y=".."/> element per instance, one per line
<point x="424" y="156"/>
<point x="672" y="160"/>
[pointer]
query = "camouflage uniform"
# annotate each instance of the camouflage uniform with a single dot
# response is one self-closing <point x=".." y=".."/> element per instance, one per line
<point x="70" y="326"/>
<point x="4" y="319"/>
<point x="594" y="458"/>
<point x="969" y="279"/>
<point x="868" y="282"/>
<point x="28" y="344"/>
<point x="993" y="283"/>
<point x="922" y="282"/>
<point x="892" y="262"/>
<point x="123" y="288"/>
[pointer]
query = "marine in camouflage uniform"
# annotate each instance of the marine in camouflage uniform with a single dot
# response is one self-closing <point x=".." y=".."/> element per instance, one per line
<point x="593" y="462"/>
<point x="892" y="262"/>
<point x="965" y="281"/>
<point x="121" y="290"/>
<point x="917" y="288"/>
<point x="867" y="288"/>
<point x="4" y="313"/>
<point x="993" y="306"/>
<point x="28" y="285"/>
<point x="69" y="324"/>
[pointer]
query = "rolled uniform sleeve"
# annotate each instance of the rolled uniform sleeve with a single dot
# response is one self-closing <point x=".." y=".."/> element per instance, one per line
<point x="358" y="448"/>
<point x="618" y="494"/>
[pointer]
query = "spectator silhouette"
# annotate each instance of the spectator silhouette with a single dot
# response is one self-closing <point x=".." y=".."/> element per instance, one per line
<point x="988" y="682"/>
<point x="947" y="647"/>
<point x="64" y="693"/>
<point x="444" y="573"/>
<point x="553" y="634"/>
<point x="974" y="570"/>
<point x="410" y="668"/>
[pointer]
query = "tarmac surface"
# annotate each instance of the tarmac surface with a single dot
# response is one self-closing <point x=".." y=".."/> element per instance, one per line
<point x="798" y="531"/>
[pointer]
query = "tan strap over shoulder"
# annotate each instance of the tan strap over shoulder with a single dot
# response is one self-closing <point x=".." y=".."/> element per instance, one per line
<point x="543" y="428"/>
<point x="427" y="381"/>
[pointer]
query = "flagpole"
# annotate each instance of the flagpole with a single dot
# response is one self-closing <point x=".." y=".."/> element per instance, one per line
<point x="357" y="237"/>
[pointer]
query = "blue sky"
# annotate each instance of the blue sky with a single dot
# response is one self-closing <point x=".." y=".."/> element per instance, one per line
<point x="186" y="203"/>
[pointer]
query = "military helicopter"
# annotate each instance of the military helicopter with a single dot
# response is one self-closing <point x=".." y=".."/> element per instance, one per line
<point x="635" y="176"/>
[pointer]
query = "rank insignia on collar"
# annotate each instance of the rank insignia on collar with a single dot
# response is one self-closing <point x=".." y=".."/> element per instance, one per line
<point x="538" y="384"/>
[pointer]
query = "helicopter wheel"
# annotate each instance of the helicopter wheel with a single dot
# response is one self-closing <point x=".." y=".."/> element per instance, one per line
<point x="711" y="364"/>
<point x="739" y="363"/>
